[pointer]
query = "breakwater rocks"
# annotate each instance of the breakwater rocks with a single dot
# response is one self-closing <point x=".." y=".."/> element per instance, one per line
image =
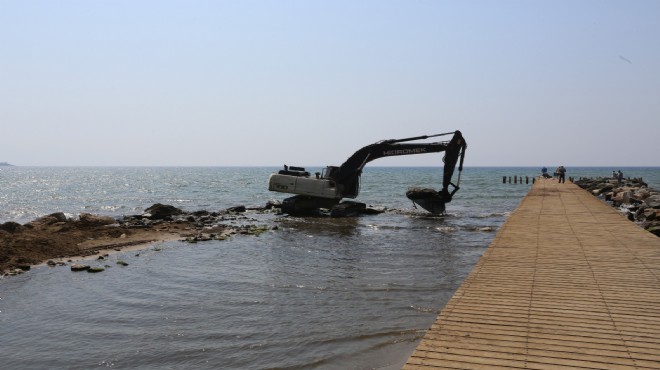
<point x="632" y="197"/>
<point x="56" y="236"/>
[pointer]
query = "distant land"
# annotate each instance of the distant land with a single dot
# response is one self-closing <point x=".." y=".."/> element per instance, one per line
<point x="5" y="164"/>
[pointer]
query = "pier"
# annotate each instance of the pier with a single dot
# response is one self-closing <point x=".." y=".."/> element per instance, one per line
<point x="567" y="283"/>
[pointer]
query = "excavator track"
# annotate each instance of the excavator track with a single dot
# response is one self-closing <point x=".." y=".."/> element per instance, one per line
<point x="302" y="204"/>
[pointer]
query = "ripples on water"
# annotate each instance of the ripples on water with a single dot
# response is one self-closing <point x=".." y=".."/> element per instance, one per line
<point x="317" y="293"/>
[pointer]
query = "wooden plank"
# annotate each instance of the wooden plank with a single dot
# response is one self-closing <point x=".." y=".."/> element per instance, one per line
<point x="566" y="283"/>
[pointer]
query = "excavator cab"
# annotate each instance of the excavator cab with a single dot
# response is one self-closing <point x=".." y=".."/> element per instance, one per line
<point x="329" y="172"/>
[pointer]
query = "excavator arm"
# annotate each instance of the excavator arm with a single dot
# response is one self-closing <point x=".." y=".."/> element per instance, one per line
<point x="349" y="172"/>
<point x="326" y="190"/>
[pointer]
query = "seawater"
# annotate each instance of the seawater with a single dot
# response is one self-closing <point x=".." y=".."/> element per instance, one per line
<point x="313" y="293"/>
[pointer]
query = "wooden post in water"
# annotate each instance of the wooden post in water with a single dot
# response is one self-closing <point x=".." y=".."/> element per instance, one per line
<point x="518" y="179"/>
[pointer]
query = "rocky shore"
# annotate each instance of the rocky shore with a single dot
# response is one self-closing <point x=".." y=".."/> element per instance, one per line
<point x="632" y="197"/>
<point x="57" y="237"/>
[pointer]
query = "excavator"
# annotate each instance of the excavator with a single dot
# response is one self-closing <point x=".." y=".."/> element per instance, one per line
<point x="326" y="189"/>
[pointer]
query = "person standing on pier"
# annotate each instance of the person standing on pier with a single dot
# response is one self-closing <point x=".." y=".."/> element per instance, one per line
<point x="561" y="172"/>
<point x="544" y="172"/>
<point x="619" y="178"/>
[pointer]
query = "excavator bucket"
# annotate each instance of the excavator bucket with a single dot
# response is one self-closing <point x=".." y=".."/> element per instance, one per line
<point x="428" y="199"/>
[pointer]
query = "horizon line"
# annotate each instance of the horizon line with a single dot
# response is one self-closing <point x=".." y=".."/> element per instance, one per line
<point x="321" y="166"/>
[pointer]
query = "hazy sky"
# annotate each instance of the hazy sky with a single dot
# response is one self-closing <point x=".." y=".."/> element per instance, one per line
<point x="310" y="82"/>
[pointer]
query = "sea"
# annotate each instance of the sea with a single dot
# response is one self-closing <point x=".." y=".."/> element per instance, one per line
<point x="310" y="293"/>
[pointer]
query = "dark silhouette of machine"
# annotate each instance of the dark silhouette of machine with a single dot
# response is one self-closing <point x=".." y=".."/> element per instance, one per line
<point x="327" y="189"/>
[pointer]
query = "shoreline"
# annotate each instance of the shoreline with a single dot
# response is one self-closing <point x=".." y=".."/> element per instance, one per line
<point x="139" y="246"/>
<point x="58" y="239"/>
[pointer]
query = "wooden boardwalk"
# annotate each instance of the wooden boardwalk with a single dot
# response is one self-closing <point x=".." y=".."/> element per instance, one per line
<point x="568" y="283"/>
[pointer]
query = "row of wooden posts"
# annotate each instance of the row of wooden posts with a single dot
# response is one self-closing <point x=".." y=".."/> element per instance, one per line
<point x="520" y="179"/>
<point x="517" y="179"/>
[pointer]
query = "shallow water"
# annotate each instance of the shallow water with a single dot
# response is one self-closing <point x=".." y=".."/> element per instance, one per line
<point x="314" y="293"/>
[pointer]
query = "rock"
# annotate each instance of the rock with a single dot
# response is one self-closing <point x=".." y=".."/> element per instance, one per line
<point x="606" y="188"/>
<point x="655" y="230"/>
<point x="10" y="226"/>
<point x="373" y="210"/>
<point x="50" y="219"/>
<point x="96" y="220"/>
<point x="641" y="194"/>
<point x="161" y="211"/>
<point x="79" y="267"/>
<point x="626" y="197"/>
<point x="652" y="199"/>
<point x="122" y="263"/>
<point x="257" y="230"/>
<point x="237" y="209"/>
<point x="95" y="269"/>
<point x="273" y="204"/>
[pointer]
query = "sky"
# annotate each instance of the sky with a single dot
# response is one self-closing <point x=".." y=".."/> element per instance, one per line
<point x="263" y="83"/>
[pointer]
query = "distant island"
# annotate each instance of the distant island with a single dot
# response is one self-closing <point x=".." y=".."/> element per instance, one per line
<point x="5" y="164"/>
